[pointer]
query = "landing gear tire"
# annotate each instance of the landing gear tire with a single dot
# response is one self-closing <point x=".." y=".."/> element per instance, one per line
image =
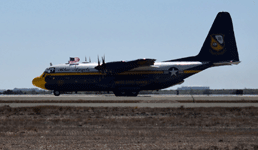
<point x="56" y="93"/>
<point x="126" y="93"/>
<point x="119" y="93"/>
<point x="132" y="93"/>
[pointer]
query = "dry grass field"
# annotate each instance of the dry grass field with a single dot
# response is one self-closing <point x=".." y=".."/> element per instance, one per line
<point x="128" y="128"/>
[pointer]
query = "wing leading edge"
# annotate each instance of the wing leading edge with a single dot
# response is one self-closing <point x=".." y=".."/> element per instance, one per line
<point x="122" y="66"/>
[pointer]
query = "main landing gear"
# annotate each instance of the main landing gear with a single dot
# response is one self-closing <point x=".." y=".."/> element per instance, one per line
<point x="57" y="93"/>
<point x="126" y="93"/>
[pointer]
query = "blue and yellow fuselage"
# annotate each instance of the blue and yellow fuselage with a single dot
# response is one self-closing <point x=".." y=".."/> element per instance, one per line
<point x="84" y="77"/>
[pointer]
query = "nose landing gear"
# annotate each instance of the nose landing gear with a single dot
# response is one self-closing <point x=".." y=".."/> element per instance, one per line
<point x="56" y="93"/>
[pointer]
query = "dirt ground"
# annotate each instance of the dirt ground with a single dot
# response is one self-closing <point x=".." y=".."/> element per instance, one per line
<point x="128" y="128"/>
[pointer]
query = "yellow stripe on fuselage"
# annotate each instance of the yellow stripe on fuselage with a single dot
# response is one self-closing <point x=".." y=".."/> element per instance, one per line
<point x="191" y="71"/>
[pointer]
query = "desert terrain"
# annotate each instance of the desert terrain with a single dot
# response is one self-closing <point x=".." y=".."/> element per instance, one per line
<point x="60" y="127"/>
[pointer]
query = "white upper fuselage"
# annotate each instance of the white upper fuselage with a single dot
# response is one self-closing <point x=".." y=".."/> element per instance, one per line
<point x="90" y="67"/>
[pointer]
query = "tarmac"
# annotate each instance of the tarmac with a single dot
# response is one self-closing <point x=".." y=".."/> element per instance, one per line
<point x="162" y="101"/>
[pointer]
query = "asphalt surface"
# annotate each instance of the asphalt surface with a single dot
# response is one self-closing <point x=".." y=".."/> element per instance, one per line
<point x="139" y="97"/>
<point x="151" y="105"/>
<point x="170" y="100"/>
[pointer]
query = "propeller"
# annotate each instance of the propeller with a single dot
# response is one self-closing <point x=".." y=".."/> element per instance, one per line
<point x="89" y="59"/>
<point x="103" y="59"/>
<point x="85" y="59"/>
<point x="98" y="61"/>
<point x="101" y="67"/>
<point x="50" y="64"/>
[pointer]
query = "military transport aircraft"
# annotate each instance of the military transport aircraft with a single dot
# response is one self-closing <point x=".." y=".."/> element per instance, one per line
<point x="127" y="78"/>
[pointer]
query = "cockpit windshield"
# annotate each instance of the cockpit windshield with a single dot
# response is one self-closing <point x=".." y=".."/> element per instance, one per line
<point x="50" y="70"/>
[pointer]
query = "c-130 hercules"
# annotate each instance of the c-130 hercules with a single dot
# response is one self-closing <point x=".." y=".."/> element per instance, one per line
<point x="127" y="78"/>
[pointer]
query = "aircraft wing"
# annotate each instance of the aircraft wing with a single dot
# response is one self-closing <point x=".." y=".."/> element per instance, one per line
<point x="122" y="66"/>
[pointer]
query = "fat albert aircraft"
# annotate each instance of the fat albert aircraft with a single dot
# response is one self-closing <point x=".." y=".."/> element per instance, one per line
<point x="127" y="78"/>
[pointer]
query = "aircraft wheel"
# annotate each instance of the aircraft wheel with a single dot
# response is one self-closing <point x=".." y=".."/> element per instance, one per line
<point x="56" y="93"/>
<point x="135" y="93"/>
<point x="132" y="93"/>
<point x="116" y="93"/>
<point x="119" y="93"/>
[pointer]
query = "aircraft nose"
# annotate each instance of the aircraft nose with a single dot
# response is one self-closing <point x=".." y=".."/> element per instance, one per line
<point x="39" y="82"/>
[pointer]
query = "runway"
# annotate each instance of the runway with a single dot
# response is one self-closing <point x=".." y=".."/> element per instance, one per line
<point x="161" y="101"/>
<point x="112" y="97"/>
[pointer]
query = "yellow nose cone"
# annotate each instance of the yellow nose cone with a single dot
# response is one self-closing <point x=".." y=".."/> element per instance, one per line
<point x="39" y="82"/>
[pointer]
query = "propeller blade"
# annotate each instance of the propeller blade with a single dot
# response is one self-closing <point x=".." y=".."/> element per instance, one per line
<point x="103" y="60"/>
<point x="89" y="59"/>
<point x="85" y="59"/>
<point x="98" y="61"/>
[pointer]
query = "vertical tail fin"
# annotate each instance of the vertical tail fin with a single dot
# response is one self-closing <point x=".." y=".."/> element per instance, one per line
<point x="220" y="43"/>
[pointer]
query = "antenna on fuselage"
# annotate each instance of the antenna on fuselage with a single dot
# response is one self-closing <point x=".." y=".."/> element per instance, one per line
<point x="86" y="60"/>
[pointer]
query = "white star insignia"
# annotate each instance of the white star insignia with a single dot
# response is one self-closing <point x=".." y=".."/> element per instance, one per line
<point x="173" y="72"/>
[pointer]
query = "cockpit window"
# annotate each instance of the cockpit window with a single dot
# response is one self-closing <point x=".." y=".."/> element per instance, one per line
<point x="47" y="70"/>
<point x="50" y="70"/>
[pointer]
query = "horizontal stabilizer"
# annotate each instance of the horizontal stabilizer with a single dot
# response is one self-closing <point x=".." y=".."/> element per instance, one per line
<point x="226" y="63"/>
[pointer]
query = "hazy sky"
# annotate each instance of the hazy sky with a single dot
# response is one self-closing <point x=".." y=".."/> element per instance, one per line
<point x="35" y="33"/>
